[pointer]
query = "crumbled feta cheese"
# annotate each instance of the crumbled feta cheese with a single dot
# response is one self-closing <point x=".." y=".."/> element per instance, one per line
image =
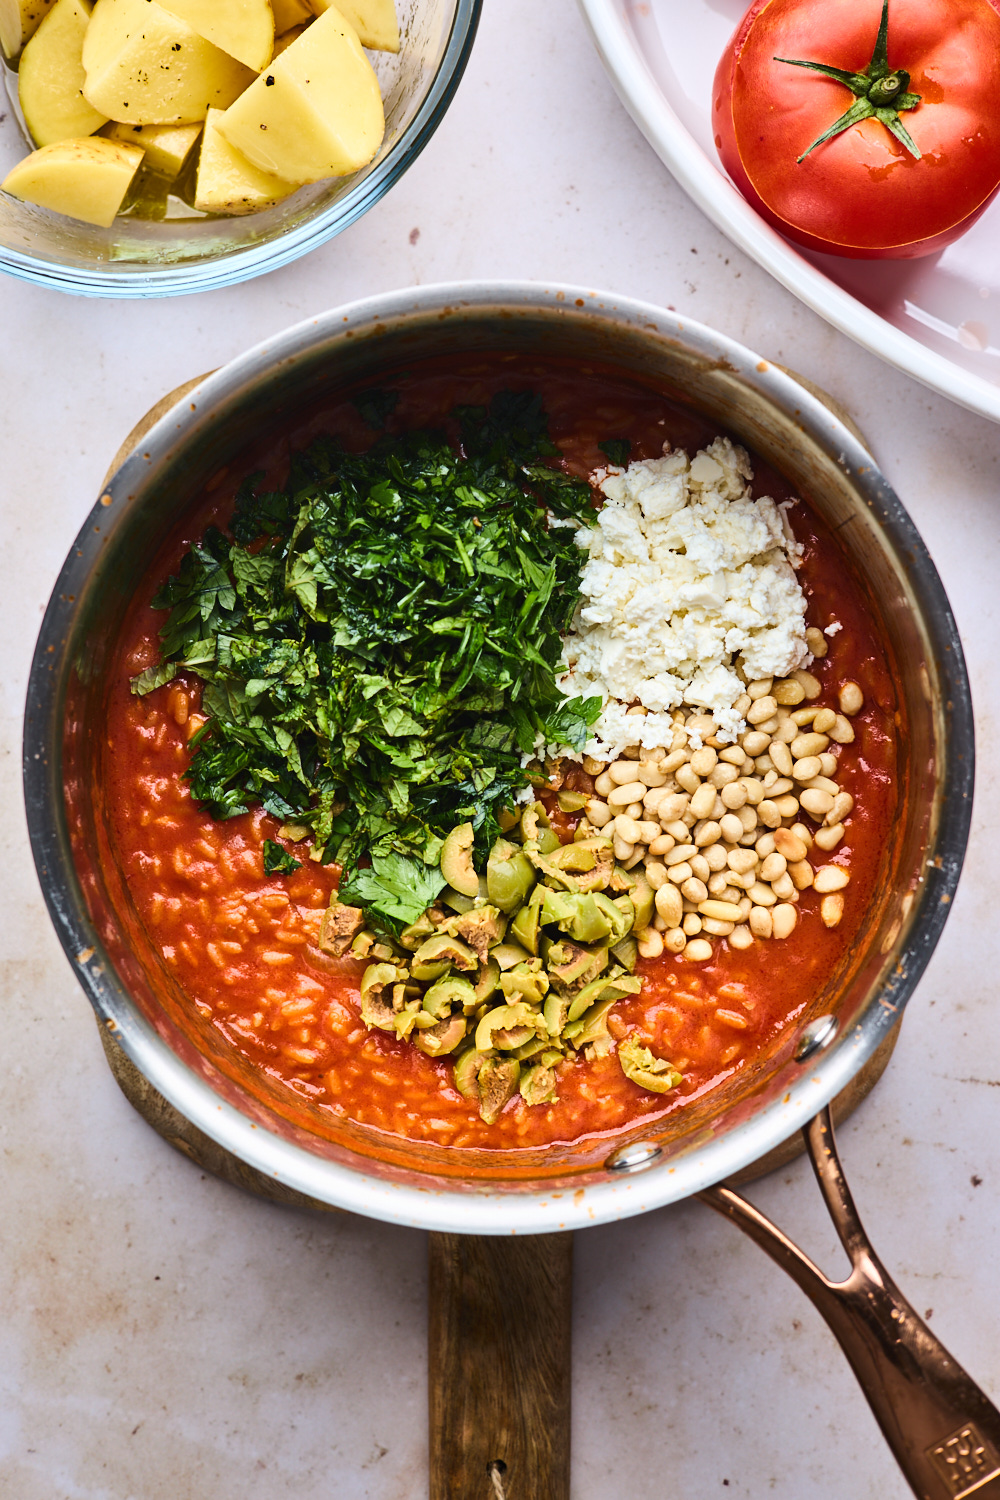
<point x="833" y="627"/>
<point x="687" y="578"/>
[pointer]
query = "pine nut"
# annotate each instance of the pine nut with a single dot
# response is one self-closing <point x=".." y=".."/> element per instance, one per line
<point x="714" y="856"/>
<point x="648" y="831"/>
<point x="707" y="833"/>
<point x="774" y="865"/>
<point x="812" y="685"/>
<point x="761" y="921"/>
<point x="621" y="771"/>
<point x="700" y="867"/>
<point x="716" y="928"/>
<point x="598" y="813"/>
<point x="850" y="698"/>
<point x="783" y="920"/>
<point x="788" y="844"/>
<point x="816" y="802"/>
<point x="673" y="760"/>
<point x="789" y="692"/>
<point x="650" y="943"/>
<point x="755" y="743"/>
<point x="802" y="874"/>
<point x="679" y="854"/>
<point x="672" y="806"/>
<point x="603" y="784"/>
<point x="824" y="720"/>
<point x="695" y="890"/>
<point x="623" y="849"/>
<point x="720" y="911"/>
<point x="769" y="815"/>
<point x="770" y="726"/>
<point x="843" y="803"/>
<point x="754" y="789"/>
<point x="627" y="829"/>
<point x="748" y="819"/>
<point x="805" y="716"/>
<point x="675" y="940"/>
<point x="829" y="838"/>
<point x="765" y="845"/>
<point x="761" y="895"/>
<point x="692" y="924"/>
<point x="678" y="828"/>
<point x="782" y="787"/>
<point x="650" y="774"/>
<point x="744" y="905"/>
<point x="593" y="767"/>
<point x="831" y="909"/>
<point x="703" y="800"/>
<point x="669" y="904"/>
<point x="741" y="860"/>
<point x="829" y="765"/>
<point x="807" y="769"/>
<point x="687" y="778"/>
<point x="662" y="845"/>
<point x="805" y="745"/>
<point x="803" y="833"/>
<point x="784" y="888"/>
<point x="761" y="710"/>
<point x="732" y="756"/>
<point x="742" y="703"/>
<point x="731" y="828"/>
<point x="830" y="878"/>
<point x="842" y="731"/>
<point x="734" y="796"/>
<point x="759" y="688"/>
<point x="699" y="951"/>
<point x="816" y="641"/>
<point x="741" y="937"/>
<point x="701" y="725"/>
<point x="704" y="761"/>
<point x="781" y="757"/>
<point x="724" y="775"/>
<point x="679" y="873"/>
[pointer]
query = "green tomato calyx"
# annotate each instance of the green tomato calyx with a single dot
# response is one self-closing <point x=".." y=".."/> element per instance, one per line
<point x="880" y="93"/>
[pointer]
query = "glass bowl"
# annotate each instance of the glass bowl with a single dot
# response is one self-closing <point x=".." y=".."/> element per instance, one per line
<point x="192" y="253"/>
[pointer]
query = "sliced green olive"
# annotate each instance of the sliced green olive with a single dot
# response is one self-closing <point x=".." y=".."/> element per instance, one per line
<point x="526" y="982"/>
<point x="571" y="966"/>
<point x="443" y="1038"/>
<point x="649" y="1072"/>
<point x="406" y="1019"/>
<point x="619" y="913"/>
<point x="509" y="954"/>
<point x="533" y="820"/>
<point x="456" y="860"/>
<point x="509" y="876"/>
<point x="375" y="1009"/>
<point x="591" y="1025"/>
<point x="426" y="972"/>
<point x="488" y="981"/>
<point x="534" y="1049"/>
<point x="643" y="897"/>
<point x="466" y="1072"/>
<point x="574" y="857"/>
<point x="538" y="1085"/>
<point x="444" y="947"/>
<point x="590" y="921"/>
<point x="626" y="952"/>
<point x="570" y="802"/>
<point x="505" y="1019"/>
<point x="456" y="900"/>
<point x="507" y="819"/>
<point x="412" y="937"/>
<point x="481" y="928"/>
<point x="526" y="923"/>
<point x="446" y="992"/>
<point x="498" y="1081"/>
<point x="555" y="1012"/>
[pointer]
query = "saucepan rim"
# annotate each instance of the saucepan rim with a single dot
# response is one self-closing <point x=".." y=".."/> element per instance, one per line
<point x="539" y="1206"/>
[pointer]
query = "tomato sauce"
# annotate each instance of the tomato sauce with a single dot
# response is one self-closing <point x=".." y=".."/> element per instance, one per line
<point x="243" y="945"/>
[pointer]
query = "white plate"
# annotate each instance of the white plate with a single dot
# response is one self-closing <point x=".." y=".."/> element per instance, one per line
<point x="937" y="319"/>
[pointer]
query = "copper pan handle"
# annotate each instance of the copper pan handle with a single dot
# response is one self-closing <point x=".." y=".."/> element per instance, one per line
<point x="943" y="1430"/>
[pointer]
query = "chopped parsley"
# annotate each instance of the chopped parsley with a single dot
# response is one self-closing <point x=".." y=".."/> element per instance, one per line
<point x="278" y="861"/>
<point x="617" y="451"/>
<point x="379" y="642"/>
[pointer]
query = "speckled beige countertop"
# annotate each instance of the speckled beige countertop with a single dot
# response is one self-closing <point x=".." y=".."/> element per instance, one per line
<point x="164" y="1337"/>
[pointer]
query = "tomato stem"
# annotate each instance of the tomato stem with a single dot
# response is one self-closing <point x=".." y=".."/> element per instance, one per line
<point x="879" y="93"/>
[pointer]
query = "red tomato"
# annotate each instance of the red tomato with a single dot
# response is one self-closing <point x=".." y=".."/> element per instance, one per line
<point x="863" y="193"/>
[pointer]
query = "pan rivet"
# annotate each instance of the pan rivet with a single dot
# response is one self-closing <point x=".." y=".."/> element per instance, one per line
<point x="815" y="1036"/>
<point x="633" y="1158"/>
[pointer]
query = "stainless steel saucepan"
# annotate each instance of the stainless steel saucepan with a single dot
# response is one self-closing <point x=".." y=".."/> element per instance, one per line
<point x="944" y="1432"/>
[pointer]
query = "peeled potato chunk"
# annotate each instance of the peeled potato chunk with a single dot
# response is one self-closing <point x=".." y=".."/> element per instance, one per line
<point x="289" y="13"/>
<point x="19" y="20"/>
<point x="85" y="179"/>
<point x="167" y="147"/>
<point x="145" y="66"/>
<point x="315" y="112"/>
<point x="227" y="182"/>
<point x="243" y="28"/>
<point x="373" y="20"/>
<point x="51" y="77"/>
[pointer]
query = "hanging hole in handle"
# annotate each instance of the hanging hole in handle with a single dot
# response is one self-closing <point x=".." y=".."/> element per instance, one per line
<point x="496" y="1469"/>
